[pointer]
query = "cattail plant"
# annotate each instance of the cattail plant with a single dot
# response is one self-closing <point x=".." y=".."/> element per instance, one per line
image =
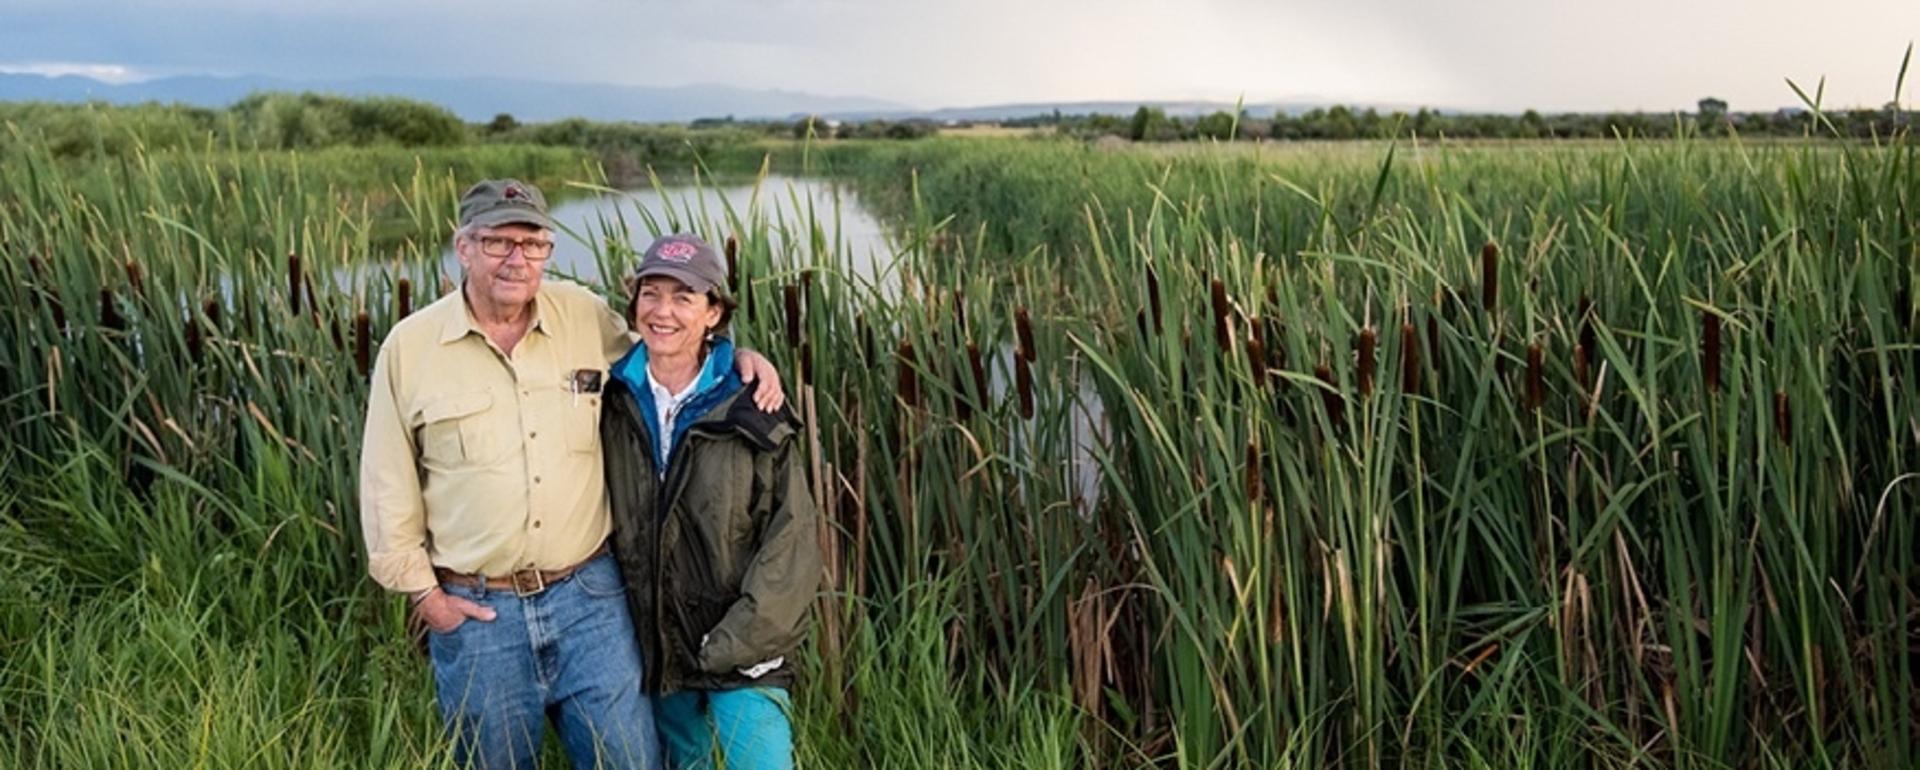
<point x="362" y="343"/>
<point x="1782" y="417"/>
<point x="979" y="370"/>
<point x="1489" y="279"/>
<point x="907" y="383"/>
<point x="1710" y="350"/>
<point x="732" y="250"/>
<point x="790" y="294"/>
<point x="403" y="297"/>
<point x="211" y="309"/>
<point x="1368" y="341"/>
<point x="1023" y="334"/>
<point x="1330" y="395"/>
<point x="196" y="346"/>
<point x="806" y="362"/>
<point x="135" y="283"/>
<point x="1409" y="358"/>
<point x="1254" y="485"/>
<point x="1257" y="351"/>
<point x="1023" y="386"/>
<point x="1153" y="295"/>
<point x="1221" y="317"/>
<point x="110" y="317"/>
<point x="960" y="313"/>
<point x="294" y="294"/>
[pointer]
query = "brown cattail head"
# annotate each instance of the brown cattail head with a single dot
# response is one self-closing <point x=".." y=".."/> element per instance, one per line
<point x="403" y="298"/>
<point x="1140" y="322"/>
<point x="1330" y="395"/>
<point x="866" y="337"/>
<point x="1409" y="358"/>
<point x="1710" y="350"/>
<point x="1276" y="342"/>
<point x="339" y="340"/>
<point x="1536" y="376"/>
<point x="791" y="294"/>
<point x="1580" y="366"/>
<point x="110" y="317"/>
<point x="1023" y="334"/>
<point x="1584" y="312"/>
<point x="907" y="382"/>
<point x="293" y="282"/>
<point x="732" y="250"/>
<point x="314" y="305"/>
<point x="1433" y="341"/>
<point x="1782" y="417"/>
<point x="1153" y="295"/>
<point x="1257" y="351"/>
<point x="196" y="346"/>
<point x="1023" y="385"/>
<point x="960" y="313"/>
<point x="135" y="281"/>
<point x="1489" y="278"/>
<point x="362" y="343"/>
<point x="1369" y="340"/>
<point x="211" y="307"/>
<point x="1255" y="488"/>
<point x="1221" y="318"/>
<point x="978" y="368"/>
<point x="806" y="362"/>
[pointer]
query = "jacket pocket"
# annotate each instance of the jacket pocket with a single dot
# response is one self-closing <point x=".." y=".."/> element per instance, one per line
<point x="452" y="432"/>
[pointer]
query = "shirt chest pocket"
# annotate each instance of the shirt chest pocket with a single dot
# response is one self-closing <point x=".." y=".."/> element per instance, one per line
<point x="582" y="423"/>
<point x="454" y="432"/>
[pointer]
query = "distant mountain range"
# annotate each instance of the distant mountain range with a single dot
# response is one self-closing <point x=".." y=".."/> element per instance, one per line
<point x="479" y="99"/>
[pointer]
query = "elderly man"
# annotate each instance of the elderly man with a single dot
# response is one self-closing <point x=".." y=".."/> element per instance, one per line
<point x="483" y="499"/>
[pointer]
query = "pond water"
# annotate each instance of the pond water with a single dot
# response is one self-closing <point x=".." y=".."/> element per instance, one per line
<point x="789" y="204"/>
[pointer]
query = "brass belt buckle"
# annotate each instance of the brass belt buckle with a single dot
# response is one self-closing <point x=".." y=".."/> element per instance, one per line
<point x="529" y="582"/>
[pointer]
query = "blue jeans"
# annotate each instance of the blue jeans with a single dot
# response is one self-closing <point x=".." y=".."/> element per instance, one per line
<point x="567" y="654"/>
<point x="745" y="729"/>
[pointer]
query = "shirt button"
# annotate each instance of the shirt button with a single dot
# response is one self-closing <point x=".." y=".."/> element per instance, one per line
<point x="536" y="479"/>
<point x="536" y="523"/>
<point x="533" y="434"/>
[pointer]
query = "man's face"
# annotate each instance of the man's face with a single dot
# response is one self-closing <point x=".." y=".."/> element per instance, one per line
<point x="503" y="263"/>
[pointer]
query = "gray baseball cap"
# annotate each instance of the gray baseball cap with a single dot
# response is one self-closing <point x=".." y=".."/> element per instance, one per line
<point x="496" y="202"/>
<point x="686" y="258"/>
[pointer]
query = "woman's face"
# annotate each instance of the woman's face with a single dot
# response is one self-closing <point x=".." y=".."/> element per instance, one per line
<point x="672" y="318"/>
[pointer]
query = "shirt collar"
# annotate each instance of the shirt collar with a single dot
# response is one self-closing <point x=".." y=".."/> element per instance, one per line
<point x="460" y="321"/>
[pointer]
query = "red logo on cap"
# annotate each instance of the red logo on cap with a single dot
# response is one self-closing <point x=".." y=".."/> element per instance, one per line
<point x="678" y="251"/>
<point x="512" y="191"/>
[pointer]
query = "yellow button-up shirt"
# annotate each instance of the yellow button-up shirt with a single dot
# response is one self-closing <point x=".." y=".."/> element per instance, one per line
<point x="482" y="462"/>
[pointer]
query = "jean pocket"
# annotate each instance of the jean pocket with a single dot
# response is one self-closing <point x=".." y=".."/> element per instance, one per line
<point x="601" y="580"/>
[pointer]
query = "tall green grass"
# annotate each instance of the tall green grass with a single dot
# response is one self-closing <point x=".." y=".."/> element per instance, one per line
<point x="1553" y="544"/>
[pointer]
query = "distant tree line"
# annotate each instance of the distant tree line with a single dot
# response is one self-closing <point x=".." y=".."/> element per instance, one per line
<point x="1153" y="124"/>
<point x="289" y="121"/>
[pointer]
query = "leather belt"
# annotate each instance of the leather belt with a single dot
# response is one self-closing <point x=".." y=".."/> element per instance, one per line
<point x="526" y="582"/>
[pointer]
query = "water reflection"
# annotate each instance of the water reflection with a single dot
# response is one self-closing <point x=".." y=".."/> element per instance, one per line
<point x="788" y="204"/>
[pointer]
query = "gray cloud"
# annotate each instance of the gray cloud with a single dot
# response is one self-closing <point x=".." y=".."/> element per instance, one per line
<point x="1503" y="54"/>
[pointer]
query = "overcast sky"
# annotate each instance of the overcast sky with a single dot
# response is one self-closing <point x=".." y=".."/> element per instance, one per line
<point x="1478" y="54"/>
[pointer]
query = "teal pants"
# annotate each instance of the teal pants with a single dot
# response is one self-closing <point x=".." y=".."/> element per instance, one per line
<point x="744" y="729"/>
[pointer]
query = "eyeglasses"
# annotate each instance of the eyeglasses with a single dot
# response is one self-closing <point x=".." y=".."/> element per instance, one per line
<point x="501" y="247"/>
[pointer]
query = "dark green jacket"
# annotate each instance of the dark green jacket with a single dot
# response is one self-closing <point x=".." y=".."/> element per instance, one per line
<point x="723" y="548"/>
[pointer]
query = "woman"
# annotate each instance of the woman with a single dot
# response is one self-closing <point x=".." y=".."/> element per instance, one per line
<point x="713" y="526"/>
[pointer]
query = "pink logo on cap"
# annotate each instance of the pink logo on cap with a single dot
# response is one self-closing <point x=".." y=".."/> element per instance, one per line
<point x="511" y="192"/>
<point x="677" y="251"/>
